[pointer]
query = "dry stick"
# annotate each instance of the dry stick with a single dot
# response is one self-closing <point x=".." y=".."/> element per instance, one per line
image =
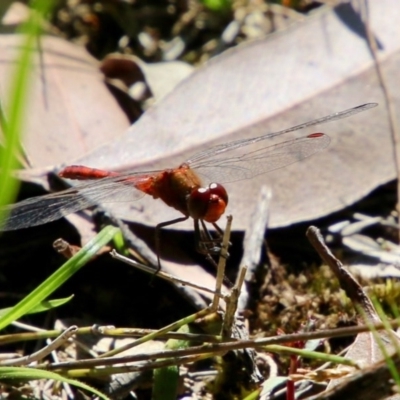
<point x="233" y="324"/>
<point x="171" y="278"/>
<point x="67" y="250"/>
<point x="394" y="128"/>
<point x="132" y="332"/>
<point x="253" y="242"/>
<point x="151" y="336"/>
<point x="221" y="347"/>
<point x="40" y="333"/>
<point x="107" y="331"/>
<point x="160" y="274"/>
<point x="231" y="305"/>
<point x="45" y="351"/>
<point x="233" y="327"/>
<point x="352" y="288"/>
<point x="112" y="331"/>
<point x="208" y="349"/>
<point x="222" y="263"/>
<point x="139" y="367"/>
<point x="92" y="373"/>
<point x="67" y="388"/>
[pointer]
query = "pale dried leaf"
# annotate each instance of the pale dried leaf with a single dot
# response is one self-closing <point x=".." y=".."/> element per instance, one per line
<point x="163" y="77"/>
<point x="70" y="110"/>
<point x="16" y="14"/>
<point x="322" y="375"/>
<point x="266" y="86"/>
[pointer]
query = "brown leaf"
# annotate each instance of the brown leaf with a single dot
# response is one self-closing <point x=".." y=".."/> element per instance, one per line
<point x="263" y="86"/>
<point x="70" y="111"/>
<point x="318" y="68"/>
<point x="372" y="383"/>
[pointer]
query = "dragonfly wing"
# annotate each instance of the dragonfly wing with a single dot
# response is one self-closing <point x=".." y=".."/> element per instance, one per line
<point x="42" y="209"/>
<point x="230" y="168"/>
<point x="207" y="154"/>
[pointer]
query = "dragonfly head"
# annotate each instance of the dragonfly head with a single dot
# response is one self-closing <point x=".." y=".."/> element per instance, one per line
<point x="208" y="203"/>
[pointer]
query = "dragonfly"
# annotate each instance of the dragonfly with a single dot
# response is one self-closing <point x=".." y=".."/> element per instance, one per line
<point x="181" y="187"/>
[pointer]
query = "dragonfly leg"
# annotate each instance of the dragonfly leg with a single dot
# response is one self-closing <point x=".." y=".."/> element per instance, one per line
<point x="158" y="237"/>
<point x="221" y="234"/>
<point x="205" y="243"/>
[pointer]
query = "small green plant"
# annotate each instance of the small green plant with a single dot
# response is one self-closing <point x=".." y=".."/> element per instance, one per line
<point x="12" y="114"/>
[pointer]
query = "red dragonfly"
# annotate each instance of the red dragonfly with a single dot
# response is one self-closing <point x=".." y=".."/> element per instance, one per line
<point x="182" y="187"/>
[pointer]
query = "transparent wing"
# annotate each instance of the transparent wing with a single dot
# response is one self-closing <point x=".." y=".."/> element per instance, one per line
<point x="224" y="163"/>
<point x="47" y="208"/>
<point x="245" y="166"/>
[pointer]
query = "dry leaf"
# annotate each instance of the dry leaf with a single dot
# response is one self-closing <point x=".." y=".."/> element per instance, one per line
<point x="266" y="86"/>
<point x="70" y="110"/>
<point x="262" y="86"/>
<point x="322" y="375"/>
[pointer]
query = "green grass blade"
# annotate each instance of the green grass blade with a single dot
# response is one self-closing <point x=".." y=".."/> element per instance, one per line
<point x="45" y="305"/>
<point x="31" y="373"/>
<point x="166" y="380"/>
<point x="59" y="277"/>
<point x="12" y="119"/>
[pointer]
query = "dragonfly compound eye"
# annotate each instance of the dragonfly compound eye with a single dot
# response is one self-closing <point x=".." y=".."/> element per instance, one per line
<point x="208" y="203"/>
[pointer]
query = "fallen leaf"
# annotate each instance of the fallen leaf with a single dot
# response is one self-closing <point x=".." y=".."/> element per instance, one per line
<point x="70" y="109"/>
<point x="259" y="87"/>
<point x="16" y="13"/>
<point x="265" y="86"/>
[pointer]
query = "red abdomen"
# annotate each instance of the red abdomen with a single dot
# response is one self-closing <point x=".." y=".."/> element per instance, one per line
<point x="81" y="172"/>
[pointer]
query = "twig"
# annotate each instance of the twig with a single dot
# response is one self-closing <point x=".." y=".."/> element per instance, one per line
<point x="352" y="288"/>
<point x="253" y="243"/>
<point x="231" y="305"/>
<point x="223" y="347"/>
<point x="222" y="263"/>
<point x="108" y="331"/>
<point x="160" y="274"/>
<point x="56" y="343"/>
<point x="140" y="247"/>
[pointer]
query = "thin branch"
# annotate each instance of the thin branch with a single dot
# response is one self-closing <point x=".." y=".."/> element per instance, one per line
<point x="45" y="351"/>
